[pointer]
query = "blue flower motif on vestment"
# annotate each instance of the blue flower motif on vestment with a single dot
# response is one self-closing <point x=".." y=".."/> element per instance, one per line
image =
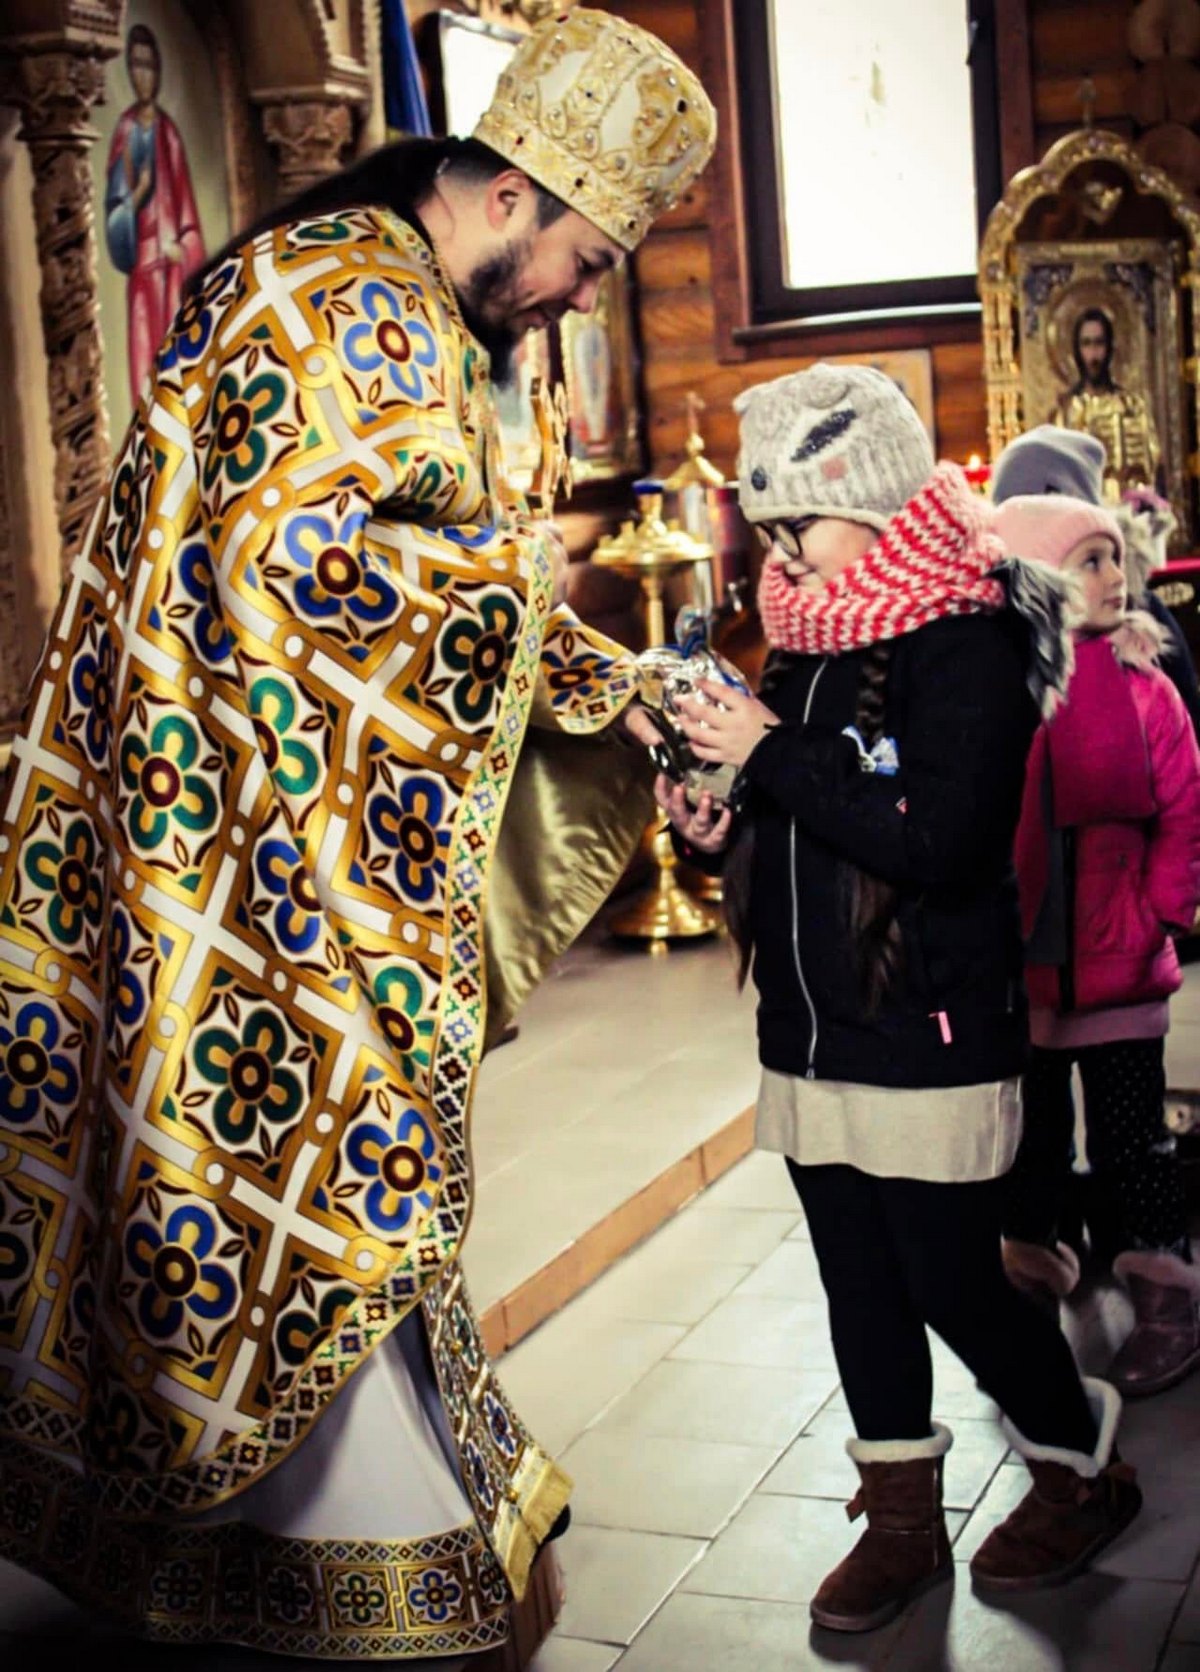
<point x="33" y="1073"/>
<point x="433" y="1594"/>
<point x="411" y="825"/>
<point x="128" y="993"/>
<point x="385" y="339"/>
<point x="283" y="873"/>
<point x="400" y="1166"/>
<point x="177" y="1275"/>
<point x="213" y="638"/>
<point x="336" y="573"/>
<point x="93" y="680"/>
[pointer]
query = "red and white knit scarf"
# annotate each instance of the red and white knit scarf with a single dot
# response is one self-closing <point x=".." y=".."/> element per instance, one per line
<point x="932" y="560"/>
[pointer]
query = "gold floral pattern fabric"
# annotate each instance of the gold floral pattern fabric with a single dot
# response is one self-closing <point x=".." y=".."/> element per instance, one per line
<point x="244" y="854"/>
<point x="335" y="1598"/>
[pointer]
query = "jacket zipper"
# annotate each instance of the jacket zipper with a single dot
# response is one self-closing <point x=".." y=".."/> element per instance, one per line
<point x="809" y="1073"/>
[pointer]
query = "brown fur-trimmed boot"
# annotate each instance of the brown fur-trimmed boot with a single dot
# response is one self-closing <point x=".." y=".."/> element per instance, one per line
<point x="1164" y="1344"/>
<point x="904" y="1550"/>
<point x="1046" y="1275"/>
<point x="1078" y="1504"/>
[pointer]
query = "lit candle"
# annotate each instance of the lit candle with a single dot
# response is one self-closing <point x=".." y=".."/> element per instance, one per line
<point x="977" y="473"/>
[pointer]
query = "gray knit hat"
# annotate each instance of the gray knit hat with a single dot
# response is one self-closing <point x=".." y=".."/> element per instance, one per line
<point x="1050" y="460"/>
<point x="832" y="441"/>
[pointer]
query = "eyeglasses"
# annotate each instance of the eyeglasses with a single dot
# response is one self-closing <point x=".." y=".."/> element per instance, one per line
<point x="784" y="534"/>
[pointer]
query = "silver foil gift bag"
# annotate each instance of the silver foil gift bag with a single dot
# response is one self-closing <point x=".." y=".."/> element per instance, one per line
<point x="666" y="673"/>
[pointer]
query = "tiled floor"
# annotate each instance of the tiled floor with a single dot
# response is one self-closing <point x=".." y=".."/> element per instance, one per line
<point x="691" y="1390"/>
<point x="622" y="1065"/>
<point x="692" y="1394"/>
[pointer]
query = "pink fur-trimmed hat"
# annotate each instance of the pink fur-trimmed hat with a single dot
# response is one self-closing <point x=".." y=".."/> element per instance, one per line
<point x="1048" y="527"/>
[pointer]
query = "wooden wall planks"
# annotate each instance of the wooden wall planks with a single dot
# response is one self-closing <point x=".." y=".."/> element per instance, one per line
<point x="1070" y="39"/>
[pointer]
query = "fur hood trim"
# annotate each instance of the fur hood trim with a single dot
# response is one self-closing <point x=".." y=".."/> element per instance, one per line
<point x="1047" y="603"/>
<point x="1147" y="524"/>
<point x="1139" y="641"/>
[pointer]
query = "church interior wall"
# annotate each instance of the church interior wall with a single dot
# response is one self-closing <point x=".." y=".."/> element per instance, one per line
<point x="1069" y="40"/>
<point x="325" y="58"/>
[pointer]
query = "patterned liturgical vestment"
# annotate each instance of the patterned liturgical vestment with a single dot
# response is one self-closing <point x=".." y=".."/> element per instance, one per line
<point x="249" y="849"/>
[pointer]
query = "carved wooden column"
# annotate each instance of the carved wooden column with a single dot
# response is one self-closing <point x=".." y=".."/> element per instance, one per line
<point x="311" y="138"/>
<point x="15" y="661"/>
<point x="55" y="92"/>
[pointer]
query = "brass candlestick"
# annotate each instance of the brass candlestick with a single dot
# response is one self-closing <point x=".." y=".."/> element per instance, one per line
<point x="694" y="470"/>
<point x="650" y="551"/>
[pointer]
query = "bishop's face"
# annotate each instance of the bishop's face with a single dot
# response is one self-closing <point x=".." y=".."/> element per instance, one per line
<point x="559" y="268"/>
<point x="533" y="275"/>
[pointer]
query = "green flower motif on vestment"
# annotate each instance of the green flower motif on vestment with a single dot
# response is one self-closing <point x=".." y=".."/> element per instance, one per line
<point x="361" y="1598"/>
<point x="406" y="1017"/>
<point x="68" y="873"/>
<point x="165" y="791"/>
<point x="292" y="764"/>
<point x="481" y="651"/>
<point x="249" y="1070"/>
<point x="238" y="446"/>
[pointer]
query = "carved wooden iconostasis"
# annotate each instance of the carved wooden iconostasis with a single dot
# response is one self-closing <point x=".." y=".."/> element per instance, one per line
<point x="1094" y="235"/>
<point x="249" y="103"/>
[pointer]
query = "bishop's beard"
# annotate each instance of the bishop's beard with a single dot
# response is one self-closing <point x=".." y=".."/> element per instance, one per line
<point x="488" y="299"/>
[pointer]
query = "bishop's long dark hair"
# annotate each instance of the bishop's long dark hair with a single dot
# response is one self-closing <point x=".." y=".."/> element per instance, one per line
<point x="870" y="902"/>
<point x="396" y="176"/>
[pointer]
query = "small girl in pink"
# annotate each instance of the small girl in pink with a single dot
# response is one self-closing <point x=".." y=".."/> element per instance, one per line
<point x="1108" y="864"/>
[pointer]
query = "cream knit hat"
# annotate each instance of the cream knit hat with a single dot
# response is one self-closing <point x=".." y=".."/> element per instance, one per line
<point x="832" y="441"/>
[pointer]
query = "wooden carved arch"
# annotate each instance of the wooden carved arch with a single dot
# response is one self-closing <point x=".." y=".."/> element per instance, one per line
<point x="310" y="69"/>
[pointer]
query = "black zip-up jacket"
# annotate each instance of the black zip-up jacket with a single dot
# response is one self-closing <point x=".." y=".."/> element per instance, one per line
<point x="940" y="830"/>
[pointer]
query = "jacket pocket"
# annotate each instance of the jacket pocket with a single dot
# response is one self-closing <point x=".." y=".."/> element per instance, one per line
<point x="1112" y="913"/>
<point x="921" y="980"/>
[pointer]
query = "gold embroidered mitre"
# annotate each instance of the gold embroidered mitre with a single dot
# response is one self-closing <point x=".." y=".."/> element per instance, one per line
<point x="605" y="116"/>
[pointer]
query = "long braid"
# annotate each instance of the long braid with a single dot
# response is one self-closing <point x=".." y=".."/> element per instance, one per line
<point x="873" y="918"/>
<point x="872" y="901"/>
<point x="871" y="702"/>
<point x="736" y="874"/>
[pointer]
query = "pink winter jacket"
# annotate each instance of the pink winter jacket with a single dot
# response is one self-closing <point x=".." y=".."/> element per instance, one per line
<point x="1114" y="777"/>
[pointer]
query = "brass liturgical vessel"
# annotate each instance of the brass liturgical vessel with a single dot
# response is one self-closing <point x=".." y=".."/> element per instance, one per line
<point x="693" y="481"/>
<point x="650" y="551"/>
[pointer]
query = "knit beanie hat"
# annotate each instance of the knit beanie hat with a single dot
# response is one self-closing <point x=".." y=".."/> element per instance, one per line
<point x="1046" y="527"/>
<point x="1049" y="460"/>
<point x="832" y="441"/>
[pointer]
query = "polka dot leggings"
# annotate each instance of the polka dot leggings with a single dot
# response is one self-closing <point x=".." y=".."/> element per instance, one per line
<point x="1129" y="1149"/>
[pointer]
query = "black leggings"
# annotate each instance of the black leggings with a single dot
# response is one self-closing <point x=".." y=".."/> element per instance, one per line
<point x="898" y="1254"/>
<point x="1131" y="1153"/>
